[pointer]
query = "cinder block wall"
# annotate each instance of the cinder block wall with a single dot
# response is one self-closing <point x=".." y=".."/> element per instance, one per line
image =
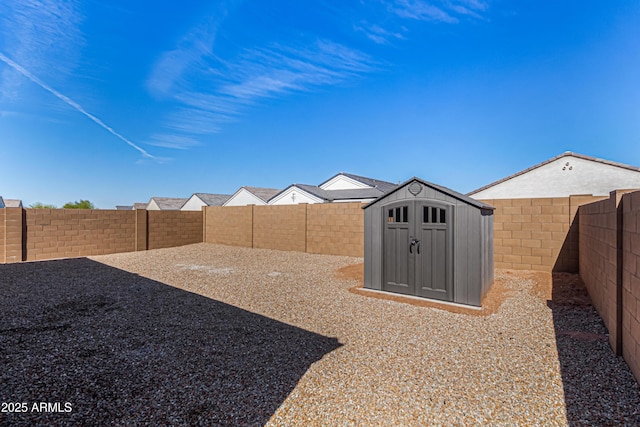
<point x="631" y="281"/>
<point x="599" y="260"/>
<point x="63" y="233"/>
<point x="336" y="229"/>
<point x="610" y="268"/>
<point x="537" y="234"/>
<point x="2" y="242"/>
<point x="331" y="228"/>
<point x="229" y="225"/>
<point x="280" y="227"/>
<point x="167" y="229"/>
<point x="14" y="234"/>
<point x="39" y="234"/>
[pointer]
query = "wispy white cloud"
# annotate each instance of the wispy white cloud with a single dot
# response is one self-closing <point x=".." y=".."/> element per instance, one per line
<point x="172" y="65"/>
<point x="213" y="85"/>
<point x="378" y="34"/>
<point x="42" y="35"/>
<point x="385" y="23"/>
<point x="473" y="8"/>
<point x="421" y="10"/>
<point x="17" y="67"/>
<point x="254" y="74"/>
<point x="172" y="141"/>
<point x="277" y="69"/>
<point x="446" y="11"/>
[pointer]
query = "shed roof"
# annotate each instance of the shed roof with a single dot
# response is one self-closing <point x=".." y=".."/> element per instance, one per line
<point x="462" y="197"/>
<point x="565" y="154"/>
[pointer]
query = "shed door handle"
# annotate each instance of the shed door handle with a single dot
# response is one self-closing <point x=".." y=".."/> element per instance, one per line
<point x="412" y="244"/>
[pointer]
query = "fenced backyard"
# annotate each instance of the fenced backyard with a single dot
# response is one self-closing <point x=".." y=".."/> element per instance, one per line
<point x="536" y="240"/>
<point x="209" y="334"/>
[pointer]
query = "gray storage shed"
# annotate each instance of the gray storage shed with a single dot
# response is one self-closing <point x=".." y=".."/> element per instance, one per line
<point x="426" y="240"/>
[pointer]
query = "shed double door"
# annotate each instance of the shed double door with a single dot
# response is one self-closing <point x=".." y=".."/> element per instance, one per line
<point x="417" y="249"/>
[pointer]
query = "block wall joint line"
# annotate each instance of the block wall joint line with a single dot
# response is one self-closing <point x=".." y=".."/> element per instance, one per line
<point x="204" y="224"/>
<point x="146" y="230"/>
<point x="619" y="267"/>
<point x="306" y="225"/>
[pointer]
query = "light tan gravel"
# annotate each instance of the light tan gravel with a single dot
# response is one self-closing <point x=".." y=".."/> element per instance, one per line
<point x="398" y="364"/>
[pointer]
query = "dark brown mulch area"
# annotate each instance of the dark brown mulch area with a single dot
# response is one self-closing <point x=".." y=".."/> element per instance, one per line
<point x="599" y="388"/>
<point x="125" y="350"/>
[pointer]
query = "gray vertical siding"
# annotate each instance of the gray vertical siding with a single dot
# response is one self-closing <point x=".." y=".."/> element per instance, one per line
<point x="373" y="248"/>
<point x="472" y="243"/>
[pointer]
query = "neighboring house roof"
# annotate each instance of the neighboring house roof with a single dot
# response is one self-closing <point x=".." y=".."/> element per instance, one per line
<point x="140" y="205"/>
<point x="212" y="199"/>
<point x="168" y="203"/>
<point x="440" y="188"/>
<point x="12" y="203"/>
<point x="383" y="186"/>
<point x="1" y="202"/>
<point x="124" y="208"/>
<point x="313" y="190"/>
<point x="263" y="194"/>
<point x="335" y="195"/>
<point x="340" y="187"/>
<point x="313" y="193"/>
<point x="251" y="196"/>
<point x="590" y="183"/>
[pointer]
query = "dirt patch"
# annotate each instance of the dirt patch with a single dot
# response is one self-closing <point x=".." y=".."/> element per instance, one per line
<point x="490" y="304"/>
<point x="559" y="288"/>
<point x="352" y="272"/>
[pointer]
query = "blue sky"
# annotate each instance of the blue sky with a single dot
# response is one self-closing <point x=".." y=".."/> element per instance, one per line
<point x="118" y="101"/>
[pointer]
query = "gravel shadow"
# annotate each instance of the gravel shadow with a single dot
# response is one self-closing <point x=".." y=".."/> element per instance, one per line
<point x="599" y="388"/>
<point x="122" y="349"/>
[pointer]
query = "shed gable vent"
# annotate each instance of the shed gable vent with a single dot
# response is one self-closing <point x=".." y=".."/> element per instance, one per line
<point x="415" y="188"/>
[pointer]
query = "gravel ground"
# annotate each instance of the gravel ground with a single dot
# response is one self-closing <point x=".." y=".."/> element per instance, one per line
<point x="214" y="335"/>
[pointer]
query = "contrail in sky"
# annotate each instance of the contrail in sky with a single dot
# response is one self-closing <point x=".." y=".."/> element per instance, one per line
<point x="72" y="103"/>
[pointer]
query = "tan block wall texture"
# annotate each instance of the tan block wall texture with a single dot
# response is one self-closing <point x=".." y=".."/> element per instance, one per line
<point x="280" y="227"/>
<point x="39" y="234"/>
<point x="335" y="229"/>
<point x="599" y="262"/>
<point x="167" y="229"/>
<point x="141" y="243"/>
<point x="2" y="242"/>
<point x="331" y="228"/>
<point x="61" y="233"/>
<point x="229" y="225"/>
<point x="537" y="234"/>
<point x="631" y="281"/>
<point x="13" y="234"/>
